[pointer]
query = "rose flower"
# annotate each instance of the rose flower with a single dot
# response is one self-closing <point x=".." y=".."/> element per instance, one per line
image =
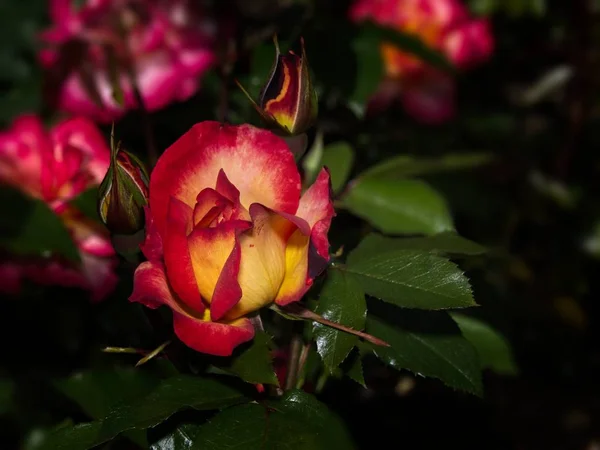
<point x="164" y="45"/>
<point x="55" y="167"/>
<point x="228" y="232"/>
<point x="443" y="25"/>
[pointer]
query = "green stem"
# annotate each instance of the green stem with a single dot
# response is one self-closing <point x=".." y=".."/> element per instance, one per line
<point x="293" y="363"/>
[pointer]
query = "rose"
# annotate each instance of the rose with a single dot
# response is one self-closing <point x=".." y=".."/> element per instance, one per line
<point x="94" y="274"/>
<point x="444" y="25"/>
<point x="55" y="167"/>
<point x="288" y="102"/>
<point x="227" y="233"/>
<point x="164" y="45"/>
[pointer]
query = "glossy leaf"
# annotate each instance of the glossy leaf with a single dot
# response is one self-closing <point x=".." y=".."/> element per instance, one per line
<point x="426" y="343"/>
<point x="411" y="279"/>
<point x="444" y="243"/>
<point x="21" y="229"/>
<point x="338" y="157"/>
<point x="167" y="398"/>
<point x="407" y="165"/>
<point x="253" y="362"/>
<point x="342" y="300"/>
<point x="184" y="437"/>
<point x="494" y="350"/>
<point x="399" y="206"/>
<point x="296" y="422"/>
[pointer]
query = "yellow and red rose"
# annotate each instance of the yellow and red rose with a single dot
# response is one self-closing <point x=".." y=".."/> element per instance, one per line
<point x="228" y="233"/>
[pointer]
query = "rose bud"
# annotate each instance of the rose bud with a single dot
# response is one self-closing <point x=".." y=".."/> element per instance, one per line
<point x="288" y="101"/>
<point x="229" y="232"/>
<point x="123" y="193"/>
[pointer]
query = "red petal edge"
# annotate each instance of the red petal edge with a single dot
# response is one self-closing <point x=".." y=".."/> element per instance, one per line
<point x="209" y="337"/>
<point x="177" y="254"/>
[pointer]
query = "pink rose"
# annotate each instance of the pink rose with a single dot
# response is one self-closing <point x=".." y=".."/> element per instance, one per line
<point x="445" y="26"/>
<point x="168" y="44"/>
<point x="55" y="167"/>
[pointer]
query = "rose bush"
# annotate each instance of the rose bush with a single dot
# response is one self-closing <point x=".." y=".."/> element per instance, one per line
<point x="443" y="25"/>
<point x="164" y="45"/>
<point x="228" y="232"/>
<point x="55" y="167"/>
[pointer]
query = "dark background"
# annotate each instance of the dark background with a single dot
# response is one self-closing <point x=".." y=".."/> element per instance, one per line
<point x="538" y="285"/>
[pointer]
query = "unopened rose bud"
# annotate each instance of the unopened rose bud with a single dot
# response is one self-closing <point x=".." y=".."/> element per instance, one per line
<point x="288" y="101"/>
<point x="123" y="193"/>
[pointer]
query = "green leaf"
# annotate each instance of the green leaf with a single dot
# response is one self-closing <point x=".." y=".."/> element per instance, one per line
<point x="167" y="398"/>
<point x="494" y="350"/>
<point x="338" y="157"/>
<point x="399" y="206"/>
<point x="312" y="161"/>
<point x="403" y="166"/>
<point x="253" y="363"/>
<point x="87" y="202"/>
<point x="183" y="438"/>
<point x="411" y="279"/>
<point x="355" y="370"/>
<point x="296" y="422"/>
<point x="70" y="437"/>
<point x="426" y="343"/>
<point x="369" y="69"/>
<point x="444" y="243"/>
<point x="342" y="300"/>
<point x="21" y="229"/>
<point x="99" y="391"/>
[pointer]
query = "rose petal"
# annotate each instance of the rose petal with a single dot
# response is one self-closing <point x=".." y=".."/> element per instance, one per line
<point x="177" y="254"/>
<point x="296" y="281"/>
<point x="83" y="135"/>
<point x="257" y="163"/>
<point x="213" y="338"/>
<point x="430" y="97"/>
<point x="152" y="248"/>
<point x="307" y="256"/>
<point x="316" y="208"/>
<point x="215" y="256"/>
<point x="262" y="267"/>
<point x="151" y="289"/>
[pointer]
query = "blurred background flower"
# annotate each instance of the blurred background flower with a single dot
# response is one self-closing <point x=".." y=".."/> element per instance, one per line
<point x="54" y="167"/>
<point x="446" y="26"/>
<point x="159" y="48"/>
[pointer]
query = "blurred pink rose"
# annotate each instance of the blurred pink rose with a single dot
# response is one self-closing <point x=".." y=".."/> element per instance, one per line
<point x="55" y="166"/>
<point x="445" y="26"/>
<point x="168" y="44"/>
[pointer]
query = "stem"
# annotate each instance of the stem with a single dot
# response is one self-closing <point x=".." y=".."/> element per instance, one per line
<point x="301" y="363"/>
<point x="127" y="350"/>
<point x="303" y="313"/>
<point x="152" y="354"/>
<point x="149" y="354"/>
<point x="292" y="371"/>
<point x="321" y="382"/>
